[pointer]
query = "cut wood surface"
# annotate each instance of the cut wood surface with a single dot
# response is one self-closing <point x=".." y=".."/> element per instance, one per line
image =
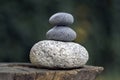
<point x="27" y="71"/>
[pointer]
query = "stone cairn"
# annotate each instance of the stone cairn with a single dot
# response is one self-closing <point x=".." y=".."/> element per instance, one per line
<point x="59" y="51"/>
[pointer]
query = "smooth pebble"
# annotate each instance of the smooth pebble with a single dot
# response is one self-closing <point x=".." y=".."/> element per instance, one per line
<point x="61" y="18"/>
<point x="61" y="33"/>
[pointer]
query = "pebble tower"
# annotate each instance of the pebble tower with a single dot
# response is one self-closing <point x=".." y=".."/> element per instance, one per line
<point x="58" y="51"/>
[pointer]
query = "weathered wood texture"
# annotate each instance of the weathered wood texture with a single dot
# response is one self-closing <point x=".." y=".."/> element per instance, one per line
<point x="27" y="71"/>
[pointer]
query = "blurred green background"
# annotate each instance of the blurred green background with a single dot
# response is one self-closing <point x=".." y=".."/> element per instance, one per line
<point x="97" y="23"/>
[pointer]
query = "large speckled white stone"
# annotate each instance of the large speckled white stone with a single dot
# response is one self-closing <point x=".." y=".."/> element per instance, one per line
<point x="61" y="18"/>
<point x="57" y="54"/>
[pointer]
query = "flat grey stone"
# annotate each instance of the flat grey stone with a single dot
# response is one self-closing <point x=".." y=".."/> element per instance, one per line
<point x="61" y="33"/>
<point x="57" y="54"/>
<point x="61" y="18"/>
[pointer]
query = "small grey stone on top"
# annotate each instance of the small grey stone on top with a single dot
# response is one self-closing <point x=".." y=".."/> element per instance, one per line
<point x="61" y="18"/>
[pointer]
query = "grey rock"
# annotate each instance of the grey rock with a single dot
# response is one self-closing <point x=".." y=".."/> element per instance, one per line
<point x="61" y="33"/>
<point x="61" y="19"/>
<point x="57" y="54"/>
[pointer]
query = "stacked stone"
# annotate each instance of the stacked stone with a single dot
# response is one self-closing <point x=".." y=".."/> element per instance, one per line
<point x="59" y="51"/>
<point x="61" y="31"/>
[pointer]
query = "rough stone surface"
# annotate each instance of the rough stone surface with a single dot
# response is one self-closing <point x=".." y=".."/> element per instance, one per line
<point x="56" y="54"/>
<point x="61" y="19"/>
<point x="61" y="33"/>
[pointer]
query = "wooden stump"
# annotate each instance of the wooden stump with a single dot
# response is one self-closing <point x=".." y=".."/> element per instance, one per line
<point x="27" y="71"/>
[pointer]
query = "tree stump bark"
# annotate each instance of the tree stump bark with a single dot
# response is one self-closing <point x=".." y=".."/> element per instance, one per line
<point x="27" y="71"/>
